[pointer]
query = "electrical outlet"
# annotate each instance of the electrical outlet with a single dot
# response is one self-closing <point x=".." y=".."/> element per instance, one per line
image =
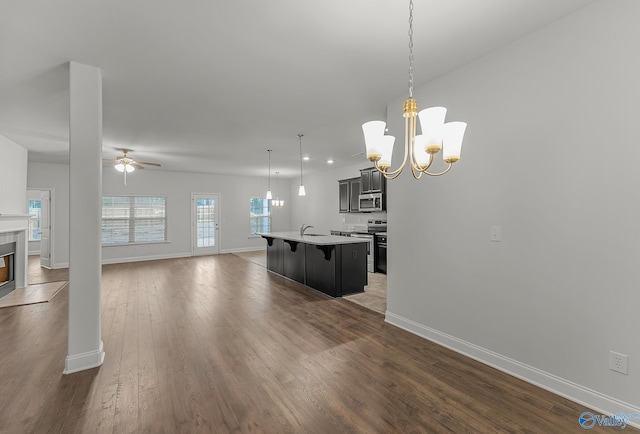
<point x="618" y="362"/>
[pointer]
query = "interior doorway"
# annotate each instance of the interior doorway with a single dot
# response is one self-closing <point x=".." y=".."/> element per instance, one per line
<point x="40" y="237"/>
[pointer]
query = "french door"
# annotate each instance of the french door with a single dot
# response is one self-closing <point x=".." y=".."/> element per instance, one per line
<point x="205" y="215"/>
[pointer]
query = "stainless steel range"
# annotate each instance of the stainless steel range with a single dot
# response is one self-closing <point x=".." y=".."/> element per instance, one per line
<point x="367" y="232"/>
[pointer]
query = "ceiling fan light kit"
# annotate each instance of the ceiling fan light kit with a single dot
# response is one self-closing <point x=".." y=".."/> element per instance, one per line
<point x="125" y="164"/>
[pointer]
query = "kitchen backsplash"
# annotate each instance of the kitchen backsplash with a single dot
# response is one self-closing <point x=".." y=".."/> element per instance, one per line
<point x="351" y="219"/>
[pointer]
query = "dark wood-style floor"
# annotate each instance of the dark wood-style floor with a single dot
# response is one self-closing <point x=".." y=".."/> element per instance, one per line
<point x="217" y="344"/>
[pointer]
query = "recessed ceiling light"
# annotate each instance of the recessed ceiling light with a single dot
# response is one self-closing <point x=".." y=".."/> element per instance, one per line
<point x="330" y="161"/>
<point x="305" y="158"/>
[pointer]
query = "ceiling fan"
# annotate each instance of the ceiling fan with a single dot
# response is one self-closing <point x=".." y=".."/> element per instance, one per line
<point x="126" y="164"/>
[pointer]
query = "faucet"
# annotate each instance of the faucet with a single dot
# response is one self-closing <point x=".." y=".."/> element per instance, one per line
<point x="303" y="228"/>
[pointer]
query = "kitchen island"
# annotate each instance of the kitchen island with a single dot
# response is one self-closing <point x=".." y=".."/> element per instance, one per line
<point x="331" y="264"/>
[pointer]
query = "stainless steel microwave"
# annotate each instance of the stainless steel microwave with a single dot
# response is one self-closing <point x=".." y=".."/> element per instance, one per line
<point x="371" y="202"/>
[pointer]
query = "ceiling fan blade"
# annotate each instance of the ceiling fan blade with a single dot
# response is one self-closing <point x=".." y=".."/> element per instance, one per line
<point x="136" y="165"/>
<point x="109" y="162"/>
<point x="149" y="164"/>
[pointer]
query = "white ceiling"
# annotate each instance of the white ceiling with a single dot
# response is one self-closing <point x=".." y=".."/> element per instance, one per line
<point x="210" y="85"/>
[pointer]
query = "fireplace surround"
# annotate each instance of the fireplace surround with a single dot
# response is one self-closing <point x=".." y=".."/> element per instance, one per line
<point x="13" y="232"/>
<point x="7" y="263"/>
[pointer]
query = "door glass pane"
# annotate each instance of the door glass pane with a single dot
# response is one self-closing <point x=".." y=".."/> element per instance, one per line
<point x="35" y="211"/>
<point x="205" y="222"/>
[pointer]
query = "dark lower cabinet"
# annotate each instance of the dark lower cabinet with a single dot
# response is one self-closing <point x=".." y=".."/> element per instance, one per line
<point x="353" y="268"/>
<point x="294" y="260"/>
<point x="321" y="269"/>
<point x="337" y="270"/>
<point x="275" y="255"/>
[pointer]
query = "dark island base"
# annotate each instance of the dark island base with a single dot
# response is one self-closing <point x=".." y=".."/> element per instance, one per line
<point x="336" y="269"/>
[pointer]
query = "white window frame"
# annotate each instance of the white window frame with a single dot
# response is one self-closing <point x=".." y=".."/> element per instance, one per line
<point x="131" y="220"/>
<point x="255" y="228"/>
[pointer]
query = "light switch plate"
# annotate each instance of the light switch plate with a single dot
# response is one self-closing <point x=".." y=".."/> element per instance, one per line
<point x="496" y="234"/>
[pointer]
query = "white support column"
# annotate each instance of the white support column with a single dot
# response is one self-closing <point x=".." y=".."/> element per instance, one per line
<point x="85" y="195"/>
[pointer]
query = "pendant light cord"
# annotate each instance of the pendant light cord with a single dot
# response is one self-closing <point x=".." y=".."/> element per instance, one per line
<point x="300" y="140"/>
<point x="269" y="175"/>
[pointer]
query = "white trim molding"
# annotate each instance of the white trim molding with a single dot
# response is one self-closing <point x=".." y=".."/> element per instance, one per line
<point x="244" y="249"/>
<point x="145" y="258"/>
<point x="83" y="361"/>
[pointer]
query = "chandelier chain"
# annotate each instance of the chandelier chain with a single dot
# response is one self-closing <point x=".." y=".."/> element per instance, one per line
<point x="410" y="48"/>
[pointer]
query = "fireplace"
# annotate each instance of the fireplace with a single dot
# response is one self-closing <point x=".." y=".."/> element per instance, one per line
<point x="7" y="267"/>
<point x="13" y="232"/>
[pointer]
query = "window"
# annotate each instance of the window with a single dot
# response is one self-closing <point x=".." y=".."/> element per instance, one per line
<point x="260" y="215"/>
<point x="35" y="211"/>
<point x="133" y="219"/>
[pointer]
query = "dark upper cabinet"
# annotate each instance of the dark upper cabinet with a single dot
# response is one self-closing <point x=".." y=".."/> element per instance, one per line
<point x="354" y="192"/>
<point x="372" y="181"/>
<point x="378" y="182"/>
<point x="365" y="181"/>
<point x="349" y="190"/>
<point x="343" y="188"/>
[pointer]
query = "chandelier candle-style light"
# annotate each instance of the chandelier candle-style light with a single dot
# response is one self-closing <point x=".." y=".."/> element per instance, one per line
<point x="269" y="196"/>
<point x="301" y="191"/>
<point x="420" y="149"/>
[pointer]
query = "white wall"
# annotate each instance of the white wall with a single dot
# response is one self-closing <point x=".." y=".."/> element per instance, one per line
<point x="551" y="156"/>
<point x="234" y="226"/>
<point x="13" y="177"/>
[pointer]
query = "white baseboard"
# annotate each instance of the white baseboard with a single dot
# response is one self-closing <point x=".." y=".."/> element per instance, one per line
<point x="592" y="399"/>
<point x="84" y="361"/>
<point x="145" y="258"/>
<point x="244" y="249"/>
<point x="158" y="257"/>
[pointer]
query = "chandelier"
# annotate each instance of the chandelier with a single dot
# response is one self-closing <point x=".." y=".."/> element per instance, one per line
<point x="419" y="149"/>
<point x="277" y="203"/>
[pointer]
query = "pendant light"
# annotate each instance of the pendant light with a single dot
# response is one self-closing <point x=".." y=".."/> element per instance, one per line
<point x="269" y="196"/>
<point x="419" y="149"/>
<point x="301" y="191"/>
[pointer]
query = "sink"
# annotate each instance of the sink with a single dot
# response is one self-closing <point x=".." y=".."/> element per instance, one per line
<point x="315" y="235"/>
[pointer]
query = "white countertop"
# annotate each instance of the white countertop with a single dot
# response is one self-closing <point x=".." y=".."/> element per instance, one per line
<point x="323" y="240"/>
